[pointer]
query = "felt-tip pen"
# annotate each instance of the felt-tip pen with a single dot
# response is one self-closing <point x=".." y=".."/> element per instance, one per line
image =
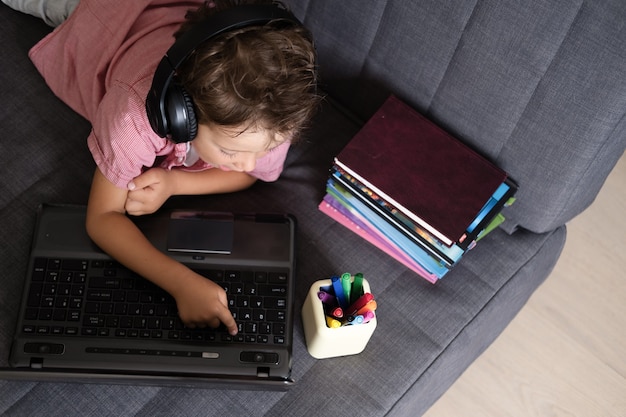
<point x="346" y="283"/>
<point x="332" y="322"/>
<point x="357" y="287"/>
<point x="336" y="312"/>
<point x="359" y="319"/>
<point x="370" y="306"/>
<point x="356" y="320"/>
<point x="368" y="316"/>
<point x="338" y="287"/>
<point x="360" y="303"/>
<point x="326" y="297"/>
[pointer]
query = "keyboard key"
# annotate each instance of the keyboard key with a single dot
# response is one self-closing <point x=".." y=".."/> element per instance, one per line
<point x="276" y="290"/>
<point x="62" y="302"/>
<point x="49" y="289"/>
<point x="276" y="315"/>
<point x="47" y="301"/>
<point x="45" y="314"/>
<point x="66" y="276"/>
<point x="31" y="313"/>
<point x="34" y="295"/>
<point x="64" y="289"/>
<point x="78" y="290"/>
<point x="265" y="328"/>
<point x="54" y="264"/>
<point x="260" y="276"/>
<point x="126" y="322"/>
<point x="104" y="282"/>
<point x="59" y="315"/>
<point x="29" y="329"/>
<point x="79" y="278"/>
<point x="154" y="323"/>
<point x="52" y="276"/>
<point x="233" y="276"/>
<point x="76" y="303"/>
<point x="43" y="329"/>
<point x="39" y="269"/>
<point x="99" y="295"/>
<point x="93" y="320"/>
<point x="92" y="307"/>
<point x="278" y="278"/>
<point x="278" y="329"/>
<point x="74" y="264"/>
<point x="247" y="276"/>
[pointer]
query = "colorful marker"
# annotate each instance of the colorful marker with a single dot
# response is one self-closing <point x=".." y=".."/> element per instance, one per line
<point x="357" y="287"/>
<point x="326" y="297"/>
<point x="370" y="306"/>
<point x="368" y="316"/>
<point x="360" y="319"/>
<point x="338" y="287"/>
<point x="332" y="323"/>
<point x="360" y="303"/>
<point x="336" y="312"/>
<point x="348" y="319"/>
<point x="355" y="320"/>
<point x="346" y="283"/>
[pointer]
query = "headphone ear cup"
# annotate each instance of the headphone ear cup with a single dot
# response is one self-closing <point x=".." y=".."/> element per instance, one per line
<point x="181" y="114"/>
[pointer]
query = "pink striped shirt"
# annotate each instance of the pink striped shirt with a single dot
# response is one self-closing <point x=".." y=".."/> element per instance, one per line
<point x="101" y="61"/>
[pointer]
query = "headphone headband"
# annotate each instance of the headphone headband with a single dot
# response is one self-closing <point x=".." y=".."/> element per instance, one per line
<point x="224" y="21"/>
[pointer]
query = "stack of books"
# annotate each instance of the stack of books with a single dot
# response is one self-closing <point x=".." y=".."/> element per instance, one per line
<point x="414" y="191"/>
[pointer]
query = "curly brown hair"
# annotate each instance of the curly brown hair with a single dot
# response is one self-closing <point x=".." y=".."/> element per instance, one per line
<point x="259" y="76"/>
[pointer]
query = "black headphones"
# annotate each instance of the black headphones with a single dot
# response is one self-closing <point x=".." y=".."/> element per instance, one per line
<point x="170" y="108"/>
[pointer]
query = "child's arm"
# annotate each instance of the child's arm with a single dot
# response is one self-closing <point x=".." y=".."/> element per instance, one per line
<point x="153" y="187"/>
<point x="200" y="301"/>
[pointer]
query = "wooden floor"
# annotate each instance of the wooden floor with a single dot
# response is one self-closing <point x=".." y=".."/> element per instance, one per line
<point x="565" y="353"/>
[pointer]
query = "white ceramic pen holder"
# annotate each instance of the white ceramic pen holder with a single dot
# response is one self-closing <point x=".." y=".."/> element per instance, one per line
<point x="325" y="342"/>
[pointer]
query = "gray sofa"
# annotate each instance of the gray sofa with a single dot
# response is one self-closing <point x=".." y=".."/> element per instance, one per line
<point x="539" y="87"/>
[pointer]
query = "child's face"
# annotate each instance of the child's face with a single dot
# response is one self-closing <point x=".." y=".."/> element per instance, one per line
<point x="233" y="148"/>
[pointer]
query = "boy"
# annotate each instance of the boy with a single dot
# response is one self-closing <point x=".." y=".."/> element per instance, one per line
<point x="252" y="89"/>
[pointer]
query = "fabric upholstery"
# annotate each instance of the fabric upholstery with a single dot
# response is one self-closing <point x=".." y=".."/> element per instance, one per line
<point x="534" y="86"/>
<point x="538" y="87"/>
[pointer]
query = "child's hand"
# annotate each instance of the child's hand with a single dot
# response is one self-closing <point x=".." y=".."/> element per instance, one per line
<point x="148" y="192"/>
<point x="204" y="303"/>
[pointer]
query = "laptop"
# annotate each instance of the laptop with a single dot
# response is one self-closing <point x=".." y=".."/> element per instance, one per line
<point x="86" y="318"/>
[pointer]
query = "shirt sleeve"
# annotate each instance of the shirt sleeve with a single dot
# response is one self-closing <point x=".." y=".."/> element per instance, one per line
<point x="121" y="141"/>
<point x="269" y="167"/>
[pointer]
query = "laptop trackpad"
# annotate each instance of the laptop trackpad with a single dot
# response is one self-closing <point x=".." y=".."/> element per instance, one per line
<point x="200" y="232"/>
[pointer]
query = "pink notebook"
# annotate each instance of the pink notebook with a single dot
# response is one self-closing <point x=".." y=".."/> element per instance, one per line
<point x="368" y="232"/>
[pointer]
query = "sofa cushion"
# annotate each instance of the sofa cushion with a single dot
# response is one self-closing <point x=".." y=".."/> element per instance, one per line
<point x="518" y="81"/>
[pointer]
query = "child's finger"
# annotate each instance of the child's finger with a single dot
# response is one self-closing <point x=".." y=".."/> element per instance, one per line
<point x="144" y="180"/>
<point x="227" y="319"/>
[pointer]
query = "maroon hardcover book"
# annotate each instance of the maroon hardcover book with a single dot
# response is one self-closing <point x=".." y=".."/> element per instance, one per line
<point x="430" y="176"/>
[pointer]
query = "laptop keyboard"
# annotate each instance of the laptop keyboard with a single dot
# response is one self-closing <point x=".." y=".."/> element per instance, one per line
<point x="103" y="299"/>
